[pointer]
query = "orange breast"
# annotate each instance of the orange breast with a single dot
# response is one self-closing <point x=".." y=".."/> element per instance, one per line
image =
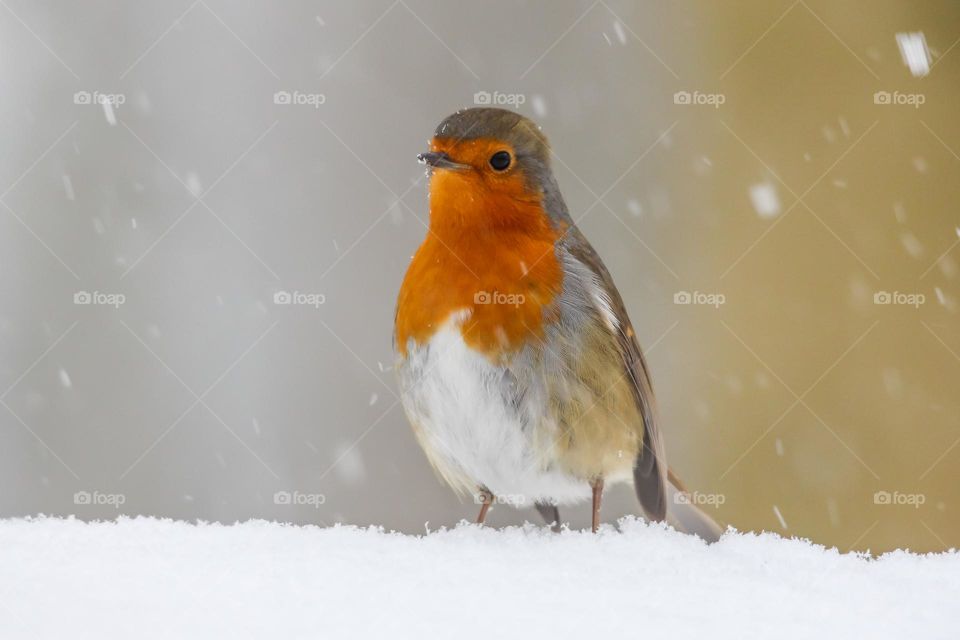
<point x="490" y="250"/>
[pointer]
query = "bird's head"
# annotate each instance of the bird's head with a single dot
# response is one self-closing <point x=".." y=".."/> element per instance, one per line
<point x="490" y="168"/>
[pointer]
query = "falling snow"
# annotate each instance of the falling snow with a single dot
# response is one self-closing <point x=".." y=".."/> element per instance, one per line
<point x="914" y="52"/>
<point x="539" y="106"/>
<point x="776" y="512"/>
<point x="892" y="382"/>
<point x="68" y="187"/>
<point x="621" y="34"/>
<point x="833" y="512"/>
<point x="349" y="465"/>
<point x="899" y="212"/>
<point x="108" y="112"/>
<point x="765" y="200"/>
<point x="912" y="244"/>
<point x="193" y="184"/>
<point x="947" y="266"/>
<point x="844" y="126"/>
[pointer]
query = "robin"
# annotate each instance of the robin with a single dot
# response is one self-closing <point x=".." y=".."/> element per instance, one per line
<point x="519" y="368"/>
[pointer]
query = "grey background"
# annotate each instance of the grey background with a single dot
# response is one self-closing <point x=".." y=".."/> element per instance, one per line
<point x="200" y="398"/>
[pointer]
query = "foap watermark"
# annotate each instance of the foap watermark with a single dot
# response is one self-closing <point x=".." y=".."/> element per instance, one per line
<point x="699" y="499"/>
<point x="99" y="298"/>
<point x="297" y="499"/>
<point x="699" y="98"/>
<point x="96" y="97"/>
<point x="511" y="499"/>
<point x="497" y="99"/>
<point x="97" y="499"/>
<point x="899" y="99"/>
<point x="896" y="498"/>
<point x="300" y="298"/>
<point x="699" y="297"/>
<point x="299" y="98"/>
<point x="497" y="297"/>
<point x="899" y="298"/>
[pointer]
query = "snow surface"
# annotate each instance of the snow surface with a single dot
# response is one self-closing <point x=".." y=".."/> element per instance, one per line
<point x="159" y="578"/>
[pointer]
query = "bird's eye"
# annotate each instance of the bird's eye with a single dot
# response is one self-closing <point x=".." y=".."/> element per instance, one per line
<point x="500" y="160"/>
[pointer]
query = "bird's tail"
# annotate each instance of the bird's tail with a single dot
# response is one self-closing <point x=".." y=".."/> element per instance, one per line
<point x="684" y="514"/>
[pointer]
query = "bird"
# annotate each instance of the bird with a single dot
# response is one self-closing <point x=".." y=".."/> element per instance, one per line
<point x="518" y="367"/>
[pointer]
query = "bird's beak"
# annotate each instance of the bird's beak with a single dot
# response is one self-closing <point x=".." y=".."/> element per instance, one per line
<point x="440" y="160"/>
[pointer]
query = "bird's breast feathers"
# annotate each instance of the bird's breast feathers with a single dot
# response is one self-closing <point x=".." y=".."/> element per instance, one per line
<point x="508" y="281"/>
<point x="524" y="395"/>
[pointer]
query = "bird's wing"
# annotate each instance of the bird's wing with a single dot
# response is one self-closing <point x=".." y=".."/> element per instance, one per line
<point x="650" y="468"/>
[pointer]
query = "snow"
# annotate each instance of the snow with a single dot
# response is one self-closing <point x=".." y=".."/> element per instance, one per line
<point x="776" y="512"/>
<point x="621" y="34"/>
<point x="763" y="195"/>
<point x="68" y="187"/>
<point x="914" y="52"/>
<point x="349" y="466"/>
<point x="154" y="578"/>
<point x="539" y="106"/>
<point x="193" y="184"/>
<point x="108" y="112"/>
<point x="912" y="244"/>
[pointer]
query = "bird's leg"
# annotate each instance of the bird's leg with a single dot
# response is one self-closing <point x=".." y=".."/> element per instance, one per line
<point x="597" y="486"/>
<point x="550" y="514"/>
<point x="487" y="498"/>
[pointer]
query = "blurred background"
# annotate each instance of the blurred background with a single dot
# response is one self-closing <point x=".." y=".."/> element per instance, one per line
<point x="208" y="207"/>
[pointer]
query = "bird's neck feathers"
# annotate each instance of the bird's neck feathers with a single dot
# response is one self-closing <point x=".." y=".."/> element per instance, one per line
<point x="489" y="259"/>
<point x="464" y="201"/>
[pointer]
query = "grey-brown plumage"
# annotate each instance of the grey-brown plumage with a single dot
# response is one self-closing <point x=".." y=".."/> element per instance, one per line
<point x="650" y="468"/>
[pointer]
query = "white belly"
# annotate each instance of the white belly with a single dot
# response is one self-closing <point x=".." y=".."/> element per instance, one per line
<point x="475" y="430"/>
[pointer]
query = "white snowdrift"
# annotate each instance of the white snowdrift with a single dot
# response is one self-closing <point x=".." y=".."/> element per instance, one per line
<point x="157" y="578"/>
